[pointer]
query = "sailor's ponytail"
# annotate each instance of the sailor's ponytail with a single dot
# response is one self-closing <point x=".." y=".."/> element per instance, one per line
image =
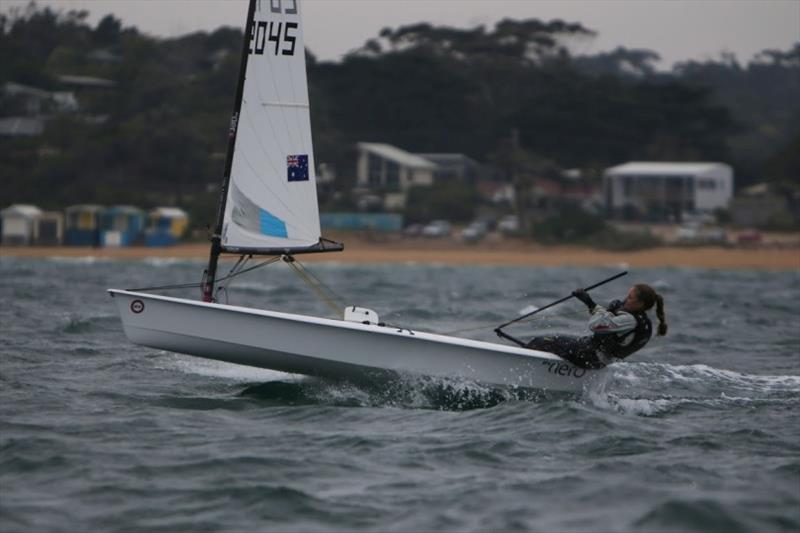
<point x="649" y="297"/>
<point x="662" y="321"/>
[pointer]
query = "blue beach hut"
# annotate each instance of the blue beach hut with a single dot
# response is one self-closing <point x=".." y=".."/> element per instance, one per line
<point x="49" y="230"/>
<point x="82" y="225"/>
<point x="121" y="225"/>
<point x="165" y="226"/>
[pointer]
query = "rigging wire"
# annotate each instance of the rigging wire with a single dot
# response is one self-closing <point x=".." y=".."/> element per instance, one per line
<point x="199" y="285"/>
<point x="318" y="288"/>
<point x="222" y="287"/>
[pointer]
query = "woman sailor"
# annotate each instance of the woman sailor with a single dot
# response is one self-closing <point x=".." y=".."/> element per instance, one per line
<point x="617" y="331"/>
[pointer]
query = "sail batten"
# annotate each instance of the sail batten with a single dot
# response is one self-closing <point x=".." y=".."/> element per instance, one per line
<point x="284" y="104"/>
<point x="271" y="201"/>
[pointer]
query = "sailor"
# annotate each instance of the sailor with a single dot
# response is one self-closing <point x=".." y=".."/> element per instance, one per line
<point x="617" y="331"/>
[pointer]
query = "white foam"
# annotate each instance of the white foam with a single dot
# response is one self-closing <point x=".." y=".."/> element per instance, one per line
<point x="166" y="261"/>
<point x="207" y="367"/>
<point x="87" y="260"/>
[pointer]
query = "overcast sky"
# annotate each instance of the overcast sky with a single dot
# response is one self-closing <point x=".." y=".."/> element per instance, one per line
<point x="676" y="29"/>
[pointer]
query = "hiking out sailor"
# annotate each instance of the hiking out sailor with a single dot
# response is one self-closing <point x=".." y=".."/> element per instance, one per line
<point x="617" y="331"/>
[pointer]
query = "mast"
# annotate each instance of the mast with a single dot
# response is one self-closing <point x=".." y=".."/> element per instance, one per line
<point x="216" y="248"/>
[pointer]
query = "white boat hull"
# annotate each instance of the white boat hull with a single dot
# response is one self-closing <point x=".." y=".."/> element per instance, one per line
<point x="333" y="348"/>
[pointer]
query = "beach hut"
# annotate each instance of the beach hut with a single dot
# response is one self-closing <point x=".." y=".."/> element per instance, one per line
<point x="19" y="223"/>
<point x="166" y="225"/>
<point x="83" y="225"/>
<point x="49" y="230"/>
<point x="121" y="225"/>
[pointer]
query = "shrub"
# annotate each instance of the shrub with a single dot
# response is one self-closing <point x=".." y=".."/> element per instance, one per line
<point x="579" y="227"/>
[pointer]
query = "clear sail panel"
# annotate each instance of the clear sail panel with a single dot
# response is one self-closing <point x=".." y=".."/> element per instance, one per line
<point x="272" y="195"/>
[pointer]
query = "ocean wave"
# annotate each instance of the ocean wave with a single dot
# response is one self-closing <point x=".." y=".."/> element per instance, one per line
<point x="698" y="515"/>
<point x="655" y="389"/>
<point x="703" y="374"/>
<point x="79" y="325"/>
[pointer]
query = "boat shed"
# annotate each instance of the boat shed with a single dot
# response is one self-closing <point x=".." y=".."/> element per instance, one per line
<point x="19" y="224"/>
<point x="659" y="191"/>
<point x="82" y="227"/>
<point x="121" y="225"/>
<point x="165" y="226"/>
<point x="49" y="229"/>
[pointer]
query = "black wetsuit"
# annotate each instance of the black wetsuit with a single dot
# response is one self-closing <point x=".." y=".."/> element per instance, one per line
<point x="597" y="350"/>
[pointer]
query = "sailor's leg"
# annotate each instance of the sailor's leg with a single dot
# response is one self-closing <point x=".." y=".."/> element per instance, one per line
<point x="577" y="350"/>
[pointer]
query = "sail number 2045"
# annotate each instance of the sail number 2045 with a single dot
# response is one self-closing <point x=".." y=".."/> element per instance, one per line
<point x="283" y="34"/>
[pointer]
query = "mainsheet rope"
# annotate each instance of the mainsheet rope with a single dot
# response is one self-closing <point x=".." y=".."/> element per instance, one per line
<point x="318" y="287"/>
<point x="527" y="320"/>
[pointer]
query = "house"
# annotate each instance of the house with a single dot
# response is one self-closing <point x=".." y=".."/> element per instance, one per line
<point x="391" y="170"/>
<point x="19" y="224"/>
<point x="165" y="226"/>
<point x="120" y="225"/>
<point x="32" y="101"/>
<point x="27" y="108"/>
<point x="82" y="227"/>
<point x="454" y="168"/>
<point x="665" y="191"/>
<point x="49" y="229"/>
<point x="21" y="126"/>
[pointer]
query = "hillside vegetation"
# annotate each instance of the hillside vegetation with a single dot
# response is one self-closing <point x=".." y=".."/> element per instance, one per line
<point x="159" y="134"/>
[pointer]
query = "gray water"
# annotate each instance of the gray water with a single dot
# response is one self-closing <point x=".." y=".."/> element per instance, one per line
<point x="700" y="431"/>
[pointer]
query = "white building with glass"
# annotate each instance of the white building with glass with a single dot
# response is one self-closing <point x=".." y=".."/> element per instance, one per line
<point x="666" y="191"/>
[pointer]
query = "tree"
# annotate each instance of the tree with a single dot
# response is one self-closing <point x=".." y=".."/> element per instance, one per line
<point x="521" y="168"/>
<point x="108" y="31"/>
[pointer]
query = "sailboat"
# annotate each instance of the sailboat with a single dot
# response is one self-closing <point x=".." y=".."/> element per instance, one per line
<point x="268" y="207"/>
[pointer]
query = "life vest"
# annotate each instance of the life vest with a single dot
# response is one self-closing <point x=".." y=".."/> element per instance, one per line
<point x="622" y="345"/>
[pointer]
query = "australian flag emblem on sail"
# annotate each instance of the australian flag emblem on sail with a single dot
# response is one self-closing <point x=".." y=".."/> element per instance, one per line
<point x="297" y="166"/>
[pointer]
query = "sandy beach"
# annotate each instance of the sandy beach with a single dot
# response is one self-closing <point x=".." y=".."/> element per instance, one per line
<point x="509" y="252"/>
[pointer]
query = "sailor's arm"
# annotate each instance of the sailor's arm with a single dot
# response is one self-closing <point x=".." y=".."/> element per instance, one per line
<point x="604" y="321"/>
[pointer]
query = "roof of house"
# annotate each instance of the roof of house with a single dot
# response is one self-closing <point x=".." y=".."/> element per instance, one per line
<point x="92" y="208"/>
<point x="85" y="81"/>
<point x="392" y="153"/>
<point x="123" y="209"/>
<point x="25" y="210"/>
<point x="449" y="159"/>
<point x="648" y="168"/>
<point x="168" y="212"/>
<point x="15" y="126"/>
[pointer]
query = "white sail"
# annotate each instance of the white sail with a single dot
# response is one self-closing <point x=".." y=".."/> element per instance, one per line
<point x="272" y="197"/>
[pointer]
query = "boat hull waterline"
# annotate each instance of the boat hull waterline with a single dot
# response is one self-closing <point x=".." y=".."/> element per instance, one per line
<point x="338" y="349"/>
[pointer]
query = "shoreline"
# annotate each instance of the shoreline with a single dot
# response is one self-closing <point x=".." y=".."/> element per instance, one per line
<point x="507" y="254"/>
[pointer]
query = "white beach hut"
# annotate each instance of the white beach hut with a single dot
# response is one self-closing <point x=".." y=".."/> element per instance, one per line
<point x="19" y="224"/>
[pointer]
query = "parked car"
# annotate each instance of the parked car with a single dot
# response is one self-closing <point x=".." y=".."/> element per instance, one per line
<point x="413" y="230"/>
<point x="693" y="233"/>
<point x="749" y="237"/>
<point x="476" y="231"/>
<point x="509" y="225"/>
<point x="437" y="228"/>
